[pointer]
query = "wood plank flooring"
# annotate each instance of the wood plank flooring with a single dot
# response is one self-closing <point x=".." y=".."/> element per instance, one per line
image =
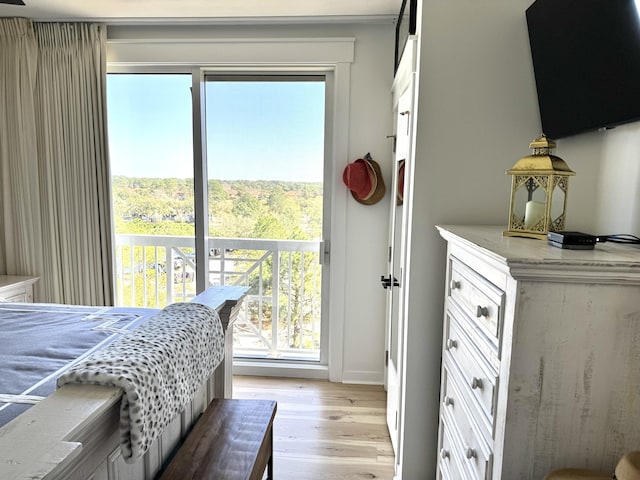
<point x="324" y="430"/>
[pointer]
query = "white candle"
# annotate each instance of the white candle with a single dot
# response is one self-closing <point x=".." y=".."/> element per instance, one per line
<point x="533" y="213"/>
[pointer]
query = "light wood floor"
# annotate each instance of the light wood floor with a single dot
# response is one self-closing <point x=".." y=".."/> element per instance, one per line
<point x="323" y="430"/>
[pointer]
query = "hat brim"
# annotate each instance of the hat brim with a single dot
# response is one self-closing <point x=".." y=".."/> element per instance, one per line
<point x="380" y="189"/>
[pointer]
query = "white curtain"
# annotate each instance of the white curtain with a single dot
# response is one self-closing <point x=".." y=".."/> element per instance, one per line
<point x="20" y="228"/>
<point x="73" y="225"/>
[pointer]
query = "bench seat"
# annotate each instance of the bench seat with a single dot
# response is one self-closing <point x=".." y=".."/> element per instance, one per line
<point x="233" y="440"/>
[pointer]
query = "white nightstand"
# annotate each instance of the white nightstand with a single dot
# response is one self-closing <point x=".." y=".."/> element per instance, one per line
<point x="14" y="288"/>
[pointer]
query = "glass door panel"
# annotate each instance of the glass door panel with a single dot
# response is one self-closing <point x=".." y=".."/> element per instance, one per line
<point x="265" y="162"/>
<point x="150" y="149"/>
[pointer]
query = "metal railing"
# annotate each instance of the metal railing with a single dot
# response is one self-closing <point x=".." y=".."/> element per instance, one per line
<point x="280" y="317"/>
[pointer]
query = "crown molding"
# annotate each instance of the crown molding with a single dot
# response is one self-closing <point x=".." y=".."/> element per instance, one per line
<point x="207" y="21"/>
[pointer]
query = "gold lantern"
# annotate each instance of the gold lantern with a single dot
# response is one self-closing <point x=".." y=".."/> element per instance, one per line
<point x="538" y="192"/>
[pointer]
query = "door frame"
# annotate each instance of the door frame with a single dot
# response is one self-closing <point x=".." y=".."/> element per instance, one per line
<point x="335" y="55"/>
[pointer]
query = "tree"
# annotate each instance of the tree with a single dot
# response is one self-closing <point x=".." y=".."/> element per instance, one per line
<point x="268" y="226"/>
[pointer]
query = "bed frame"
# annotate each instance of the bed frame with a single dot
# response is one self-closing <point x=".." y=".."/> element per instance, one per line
<point x="73" y="433"/>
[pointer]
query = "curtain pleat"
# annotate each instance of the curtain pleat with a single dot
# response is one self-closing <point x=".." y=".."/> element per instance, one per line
<point x="20" y="221"/>
<point x="69" y="97"/>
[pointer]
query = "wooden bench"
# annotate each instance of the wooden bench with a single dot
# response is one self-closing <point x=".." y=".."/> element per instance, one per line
<point x="233" y="440"/>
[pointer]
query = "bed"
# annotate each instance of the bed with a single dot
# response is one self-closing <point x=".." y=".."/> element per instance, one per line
<point x="74" y="432"/>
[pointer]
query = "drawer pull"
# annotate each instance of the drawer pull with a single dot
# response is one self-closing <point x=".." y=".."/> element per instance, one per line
<point x="452" y="344"/>
<point x="448" y="401"/>
<point x="482" y="311"/>
<point x="454" y="284"/>
<point x="471" y="453"/>
<point x="476" y="383"/>
<point x="444" y="454"/>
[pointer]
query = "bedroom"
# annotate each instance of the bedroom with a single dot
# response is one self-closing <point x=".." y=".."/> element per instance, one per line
<point x="478" y="113"/>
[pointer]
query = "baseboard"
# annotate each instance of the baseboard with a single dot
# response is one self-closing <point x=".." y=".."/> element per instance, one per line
<point x="263" y="368"/>
<point x="280" y="369"/>
<point x="363" y="377"/>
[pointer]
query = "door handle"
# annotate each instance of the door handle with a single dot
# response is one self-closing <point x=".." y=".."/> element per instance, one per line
<point x="388" y="282"/>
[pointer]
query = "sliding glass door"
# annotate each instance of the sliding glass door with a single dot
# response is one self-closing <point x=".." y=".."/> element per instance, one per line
<point x="252" y="205"/>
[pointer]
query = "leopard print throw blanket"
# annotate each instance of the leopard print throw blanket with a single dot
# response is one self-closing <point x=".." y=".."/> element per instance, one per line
<point x="159" y="366"/>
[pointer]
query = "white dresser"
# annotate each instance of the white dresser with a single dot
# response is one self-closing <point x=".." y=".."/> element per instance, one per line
<point x="14" y="288"/>
<point x="541" y="356"/>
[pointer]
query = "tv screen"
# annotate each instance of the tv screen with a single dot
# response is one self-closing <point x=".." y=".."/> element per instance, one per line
<point x="586" y="60"/>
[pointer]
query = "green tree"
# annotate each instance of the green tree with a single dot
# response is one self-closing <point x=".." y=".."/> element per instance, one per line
<point x="268" y="226"/>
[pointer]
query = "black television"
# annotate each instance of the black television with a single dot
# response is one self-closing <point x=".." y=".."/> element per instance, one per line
<point x="586" y="61"/>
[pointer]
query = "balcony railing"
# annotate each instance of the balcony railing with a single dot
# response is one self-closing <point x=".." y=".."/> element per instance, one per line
<point x="280" y="317"/>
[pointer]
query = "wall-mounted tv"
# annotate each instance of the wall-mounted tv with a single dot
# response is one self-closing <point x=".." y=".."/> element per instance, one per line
<point x="586" y="59"/>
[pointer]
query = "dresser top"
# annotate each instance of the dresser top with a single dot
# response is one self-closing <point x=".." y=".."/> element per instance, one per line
<point x="527" y="256"/>
<point x="12" y="280"/>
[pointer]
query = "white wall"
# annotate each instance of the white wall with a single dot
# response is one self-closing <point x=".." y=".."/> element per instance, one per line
<point x="609" y="204"/>
<point x="477" y="114"/>
<point x="365" y="227"/>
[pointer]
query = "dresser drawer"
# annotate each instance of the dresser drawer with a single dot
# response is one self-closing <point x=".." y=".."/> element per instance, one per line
<point x="478" y="298"/>
<point x="453" y="393"/>
<point x="468" y="447"/>
<point x="487" y="349"/>
<point x="449" y="466"/>
<point x="474" y="375"/>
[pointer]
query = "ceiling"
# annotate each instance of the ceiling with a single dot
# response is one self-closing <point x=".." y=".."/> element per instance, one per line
<point x="201" y="11"/>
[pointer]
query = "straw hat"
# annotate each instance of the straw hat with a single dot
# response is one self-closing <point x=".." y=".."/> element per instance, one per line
<point x="364" y="178"/>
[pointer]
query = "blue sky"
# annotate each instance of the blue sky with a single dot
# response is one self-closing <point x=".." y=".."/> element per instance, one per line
<point x="255" y="130"/>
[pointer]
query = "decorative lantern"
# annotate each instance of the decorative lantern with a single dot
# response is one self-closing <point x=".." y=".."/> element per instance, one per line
<point x="538" y="192"/>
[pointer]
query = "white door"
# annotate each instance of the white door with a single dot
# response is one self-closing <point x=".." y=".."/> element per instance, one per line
<point x="393" y="281"/>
